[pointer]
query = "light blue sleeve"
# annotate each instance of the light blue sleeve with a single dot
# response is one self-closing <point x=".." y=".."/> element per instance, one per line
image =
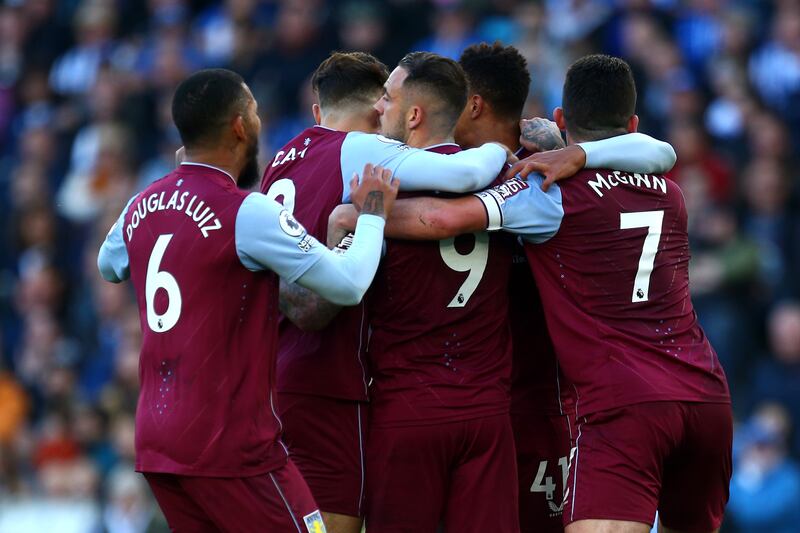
<point x="633" y="152"/>
<point x="521" y="207"/>
<point x="269" y="237"/>
<point x="112" y="260"/>
<point x="420" y="170"/>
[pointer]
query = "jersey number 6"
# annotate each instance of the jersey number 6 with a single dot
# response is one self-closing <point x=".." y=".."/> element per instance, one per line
<point x="161" y="279"/>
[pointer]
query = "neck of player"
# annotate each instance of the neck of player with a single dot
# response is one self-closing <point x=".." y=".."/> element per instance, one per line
<point x="422" y="138"/>
<point x="221" y="158"/>
<point x="349" y="122"/>
<point x="497" y="131"/>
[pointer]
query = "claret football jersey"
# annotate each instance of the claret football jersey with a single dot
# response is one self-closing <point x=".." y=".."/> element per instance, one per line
<point x="195" y="247"/>
<point x="310" y="176"/>
<point x="440" y="347"/>
<point x="609" y="251"/>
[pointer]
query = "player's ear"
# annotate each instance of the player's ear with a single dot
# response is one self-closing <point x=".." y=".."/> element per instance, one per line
<point x="633" y="124"/>
<point x="315" y="110"/>
<point x="240" y="128"/>
<point x="475" y="104"/>
<point x="414" y="117"/>
<point x="558" y="117"/>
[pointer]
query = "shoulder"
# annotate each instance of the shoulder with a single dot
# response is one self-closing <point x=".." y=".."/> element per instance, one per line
<point x="361" y="139"/>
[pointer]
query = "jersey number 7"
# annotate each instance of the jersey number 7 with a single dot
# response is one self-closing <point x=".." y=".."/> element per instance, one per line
<point x="652" y="220"/>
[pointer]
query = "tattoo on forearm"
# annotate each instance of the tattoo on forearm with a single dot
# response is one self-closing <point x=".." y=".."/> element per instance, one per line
<point x="542" y="135"/>
<point x="373" y="204"/>
<point x="306" y="309"/>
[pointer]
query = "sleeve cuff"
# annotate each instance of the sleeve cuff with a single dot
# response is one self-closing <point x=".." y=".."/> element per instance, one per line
<point x="494" y="213"/>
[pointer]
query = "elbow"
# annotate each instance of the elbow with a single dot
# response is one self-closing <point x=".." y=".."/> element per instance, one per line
<point x="351" y="296"/>
<point x="443" y="225"/>
<point x="670" y="157"/>
<point x="476" y="177"/>
<point x="349" y="293"/>
<point x="106" y="270"/>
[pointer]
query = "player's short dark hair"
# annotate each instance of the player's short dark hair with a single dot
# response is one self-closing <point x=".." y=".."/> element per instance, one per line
<point x="499" y="74"/>
<point x="204" y="102"/>
<point x="441" y="77"/>
<point x="599" y="97"/>
<point x="349" y="77"/>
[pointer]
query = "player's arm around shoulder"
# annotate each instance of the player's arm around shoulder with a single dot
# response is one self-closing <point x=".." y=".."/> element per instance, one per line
<point x="112" y="259"/>
<point x="632" y="152"/>
<point x="425" y="218"/>
<point x="522" y="207"/>
<point x="268" y="237"/>
<point x="421" y="170"/>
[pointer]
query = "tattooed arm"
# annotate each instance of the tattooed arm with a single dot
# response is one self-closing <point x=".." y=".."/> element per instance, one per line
<point x="540" y="135"/>
<point x="304" y="308"/>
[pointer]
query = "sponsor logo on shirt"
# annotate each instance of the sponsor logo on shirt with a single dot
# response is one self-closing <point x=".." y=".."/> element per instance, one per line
<point x="314" y="523"/>
<point x="305" y="243"/>
<point x="511" y="187"/>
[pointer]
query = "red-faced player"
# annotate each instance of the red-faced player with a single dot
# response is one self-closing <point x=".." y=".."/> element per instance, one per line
<point x="204" y="257"/>
<point x="609" y="251"/>
<point x="322" y="376"/>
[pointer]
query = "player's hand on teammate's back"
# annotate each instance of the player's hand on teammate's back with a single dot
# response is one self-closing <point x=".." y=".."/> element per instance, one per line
<point x="554" y="165"/>
<point x="376" y="192"/>
<point x="540" y="135"/>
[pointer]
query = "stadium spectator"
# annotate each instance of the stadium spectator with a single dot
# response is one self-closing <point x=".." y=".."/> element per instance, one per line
<point x="765" y="487"/>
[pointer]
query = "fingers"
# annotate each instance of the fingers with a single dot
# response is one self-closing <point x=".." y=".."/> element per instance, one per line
<point x="354" y="181"/>
<point x="368" y="171"/>
<point x="515" y="168"/>
<point x="525" y="167"/>
<point x="548" y="181"/>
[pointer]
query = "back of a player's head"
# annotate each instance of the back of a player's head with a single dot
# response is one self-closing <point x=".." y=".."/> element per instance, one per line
<point x="442" y="81"/>
<point x="599" y="97"/>
<point x="499" y="74"/>
<point x="205" y="102"/>
<point x="349" y="78"/>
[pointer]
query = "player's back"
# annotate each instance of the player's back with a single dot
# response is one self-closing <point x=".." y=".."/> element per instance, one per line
<point x="209" y="331"/>
<point x="440" y="346"/>
<point x="614" y="281"/>
<point x="306" y="177"/>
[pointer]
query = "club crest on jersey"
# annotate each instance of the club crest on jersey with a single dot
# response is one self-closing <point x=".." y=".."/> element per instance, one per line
<point x="314" y="523"/>
<point x="290" y="225"/>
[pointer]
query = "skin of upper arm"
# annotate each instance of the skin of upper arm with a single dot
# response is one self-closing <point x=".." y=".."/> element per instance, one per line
<point x="430" y="218"/>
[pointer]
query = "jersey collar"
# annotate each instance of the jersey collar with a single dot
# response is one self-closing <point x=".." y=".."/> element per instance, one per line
<point x="209" y="166"/>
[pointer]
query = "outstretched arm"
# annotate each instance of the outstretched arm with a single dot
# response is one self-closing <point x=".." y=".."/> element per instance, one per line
<point x="425" y="218"/>
<point x="633" y="152"/>
<point x="516" y="206"/>
<point x="421" y="170"/>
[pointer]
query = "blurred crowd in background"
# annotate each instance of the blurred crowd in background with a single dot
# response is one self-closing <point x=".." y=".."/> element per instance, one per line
<point x="85" y="92"/>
